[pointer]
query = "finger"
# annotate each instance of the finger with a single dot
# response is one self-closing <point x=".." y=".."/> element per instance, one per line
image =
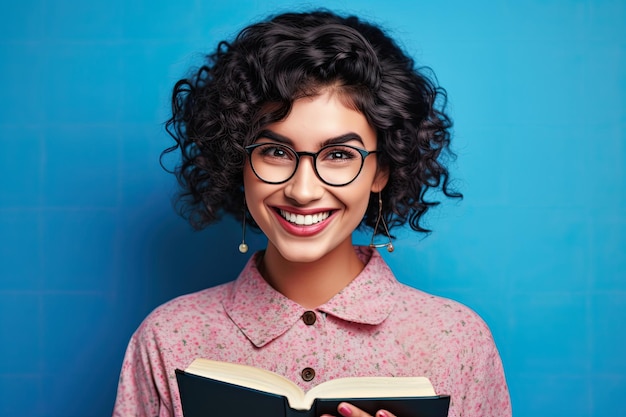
<point x="348" y="410"/>
<point x="384" y="413"/>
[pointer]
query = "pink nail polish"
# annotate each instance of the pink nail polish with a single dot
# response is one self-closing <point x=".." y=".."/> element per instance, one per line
<point x="382" y="414"/>
<point x="345" y="410"/>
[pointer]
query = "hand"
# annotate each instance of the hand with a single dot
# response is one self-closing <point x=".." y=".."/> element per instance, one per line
<point x="348" y="410"/>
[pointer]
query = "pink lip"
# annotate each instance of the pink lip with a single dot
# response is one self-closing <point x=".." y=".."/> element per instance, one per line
<point x="303" y="231"/>
<point x="304" y="212"/>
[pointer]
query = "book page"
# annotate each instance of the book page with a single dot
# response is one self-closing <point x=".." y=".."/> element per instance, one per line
<point x="249" y="376"/>
<point x="372" y="387"/>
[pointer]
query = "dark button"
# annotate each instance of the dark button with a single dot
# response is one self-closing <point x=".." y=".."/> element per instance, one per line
<point x="309" y="318"/>
<point x="308" y="374"/>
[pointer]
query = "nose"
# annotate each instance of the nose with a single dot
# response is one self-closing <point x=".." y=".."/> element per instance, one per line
<point x="304" y="186"/>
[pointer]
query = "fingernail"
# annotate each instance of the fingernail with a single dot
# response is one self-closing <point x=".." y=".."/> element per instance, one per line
<point x="345" y="410"/>
<point x="382" y="414"/>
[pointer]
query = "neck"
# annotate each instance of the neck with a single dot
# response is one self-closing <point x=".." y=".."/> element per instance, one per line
<point x="311" y="284"/>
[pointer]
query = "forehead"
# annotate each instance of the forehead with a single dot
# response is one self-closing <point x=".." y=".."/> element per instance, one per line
<point x="316" y="119"/>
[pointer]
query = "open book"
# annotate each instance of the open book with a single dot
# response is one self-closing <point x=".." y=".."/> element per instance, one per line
<point x="210" y="388"/>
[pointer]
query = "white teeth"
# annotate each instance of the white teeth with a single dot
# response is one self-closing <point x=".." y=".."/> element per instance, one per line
<point x="304" y="220"/>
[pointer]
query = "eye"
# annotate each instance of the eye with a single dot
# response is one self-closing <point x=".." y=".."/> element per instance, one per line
<point x="339" y="154"/>
<point x="272" y="150"/>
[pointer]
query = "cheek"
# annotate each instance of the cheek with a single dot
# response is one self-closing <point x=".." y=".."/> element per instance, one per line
<point x="357" y="199"/>
<point x="255" y="194"/>
<point x="365" y="186"/>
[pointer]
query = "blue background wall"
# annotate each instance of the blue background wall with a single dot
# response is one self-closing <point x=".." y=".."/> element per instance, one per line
<point x="89" y="243"/>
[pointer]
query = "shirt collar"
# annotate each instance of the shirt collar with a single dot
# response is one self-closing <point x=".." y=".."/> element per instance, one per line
<point x="263" y="314"/>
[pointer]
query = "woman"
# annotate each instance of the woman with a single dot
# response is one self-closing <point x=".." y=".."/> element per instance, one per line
<point x="308" y="126"/>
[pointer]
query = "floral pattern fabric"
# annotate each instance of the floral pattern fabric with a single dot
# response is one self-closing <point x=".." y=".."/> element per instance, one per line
<point x="376" y="326"/>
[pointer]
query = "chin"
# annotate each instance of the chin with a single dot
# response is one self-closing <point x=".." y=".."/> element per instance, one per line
<point x="308" y="250"/>
<point x="305" y="256"/>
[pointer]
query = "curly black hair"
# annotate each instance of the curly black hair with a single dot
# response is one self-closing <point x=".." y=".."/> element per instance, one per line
<point x="254" y="80"/>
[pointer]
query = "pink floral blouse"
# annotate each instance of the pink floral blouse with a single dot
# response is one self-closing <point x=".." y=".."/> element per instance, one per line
<point x="374" y="326"/>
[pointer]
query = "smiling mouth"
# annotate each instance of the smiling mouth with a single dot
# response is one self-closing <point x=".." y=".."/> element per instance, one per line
<point x="304" y="219"/>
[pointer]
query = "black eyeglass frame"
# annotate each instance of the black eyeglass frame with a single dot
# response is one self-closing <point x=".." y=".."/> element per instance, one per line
<point x="364" y="154"/>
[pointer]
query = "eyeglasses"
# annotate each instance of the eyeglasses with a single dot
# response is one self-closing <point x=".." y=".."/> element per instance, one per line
<point x="335" y="165"/>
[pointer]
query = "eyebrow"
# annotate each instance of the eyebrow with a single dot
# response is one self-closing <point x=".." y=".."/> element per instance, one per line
<point x="347" y="137"/>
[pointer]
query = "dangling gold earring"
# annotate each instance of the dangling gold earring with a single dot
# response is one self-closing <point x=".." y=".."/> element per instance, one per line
<point x="243" y="246"/>
<point x="380" y="217"/>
